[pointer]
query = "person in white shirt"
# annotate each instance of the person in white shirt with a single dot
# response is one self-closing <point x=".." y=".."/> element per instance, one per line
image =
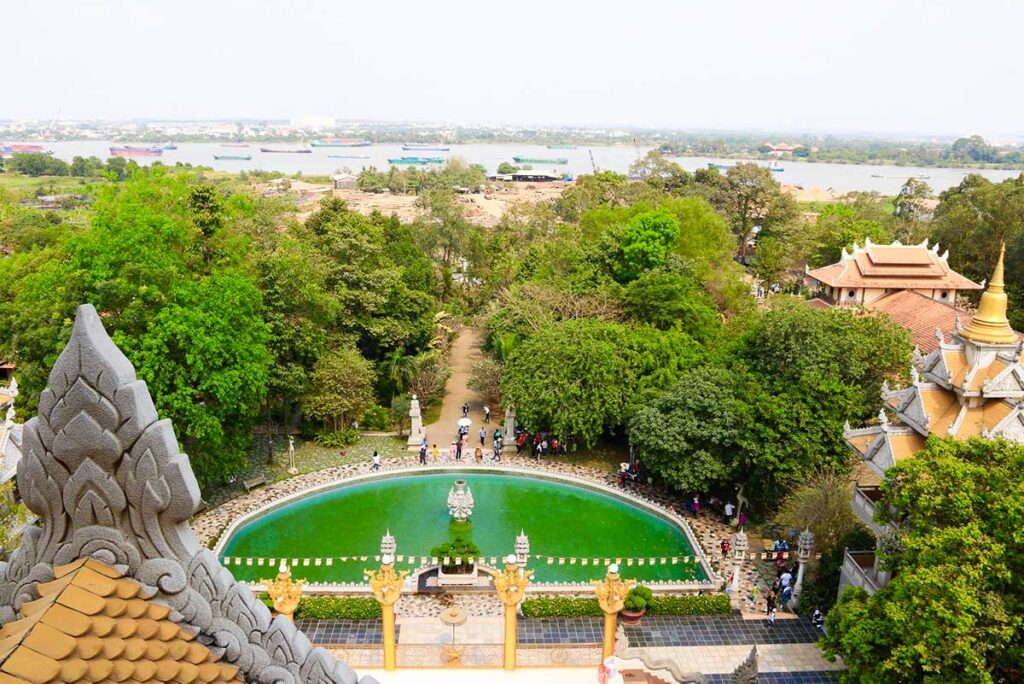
<point x="786" y="578"/>
<point x="729" y="508"/>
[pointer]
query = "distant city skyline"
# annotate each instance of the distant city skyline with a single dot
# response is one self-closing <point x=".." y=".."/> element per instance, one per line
<point x="875" y="68"/>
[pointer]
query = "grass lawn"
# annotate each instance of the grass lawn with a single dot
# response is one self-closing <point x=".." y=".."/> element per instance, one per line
<point x="29" y="186"/>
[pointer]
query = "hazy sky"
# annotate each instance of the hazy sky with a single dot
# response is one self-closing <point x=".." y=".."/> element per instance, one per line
<point x="897" y="66"/>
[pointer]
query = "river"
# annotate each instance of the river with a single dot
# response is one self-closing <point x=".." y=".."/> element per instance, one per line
<point x="839" y="177"/>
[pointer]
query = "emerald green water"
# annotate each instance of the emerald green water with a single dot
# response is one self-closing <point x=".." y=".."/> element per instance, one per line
<point x="562" y="521"/>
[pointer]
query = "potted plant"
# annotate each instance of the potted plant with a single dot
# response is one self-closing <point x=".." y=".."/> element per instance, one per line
<point x="635" y="605"/>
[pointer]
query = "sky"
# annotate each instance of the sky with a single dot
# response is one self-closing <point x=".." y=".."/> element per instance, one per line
<point x="907" y="66"/>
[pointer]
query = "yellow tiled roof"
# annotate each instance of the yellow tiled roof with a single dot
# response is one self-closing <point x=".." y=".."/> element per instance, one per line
<point x="91" y="624"/>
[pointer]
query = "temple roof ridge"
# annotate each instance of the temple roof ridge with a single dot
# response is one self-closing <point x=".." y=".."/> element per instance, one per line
<point x="104" y="474"/>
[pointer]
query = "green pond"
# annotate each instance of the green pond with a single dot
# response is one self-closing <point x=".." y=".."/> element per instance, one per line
<point x="563" y="521"/>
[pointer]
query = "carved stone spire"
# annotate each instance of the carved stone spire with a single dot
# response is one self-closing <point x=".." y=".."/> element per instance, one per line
<point x="105" y="476"/>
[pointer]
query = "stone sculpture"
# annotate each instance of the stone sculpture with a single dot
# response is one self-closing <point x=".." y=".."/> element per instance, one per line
<point x="105" y="476"/>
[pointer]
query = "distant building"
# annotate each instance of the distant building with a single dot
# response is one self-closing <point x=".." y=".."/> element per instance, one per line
<point x="525" y="177"/>
<point x="971" y="385"/>
<point x="343" y="181"/>
<point x="873" y="271"/>
<point x="783" y="148"/>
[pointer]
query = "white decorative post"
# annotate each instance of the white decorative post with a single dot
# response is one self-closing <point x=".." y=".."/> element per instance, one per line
<point x="388" y="545"/>
<point x="416" y="432"/>
<point x="292" y="469"/>
<point x="510" y="424"/>
<point x="739" y="554"/>
<point x="522" y="548"/>
<point x="805" y="546"/>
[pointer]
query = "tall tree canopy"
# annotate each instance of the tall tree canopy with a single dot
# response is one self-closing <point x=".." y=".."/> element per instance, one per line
<point x="953" y="609"/>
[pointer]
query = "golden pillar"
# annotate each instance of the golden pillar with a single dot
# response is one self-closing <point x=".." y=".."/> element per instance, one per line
<point x="284" y="592"/>
<point x="511" y="585"/>
<point x="386" y="585"/>
<point x="611" y="595"/>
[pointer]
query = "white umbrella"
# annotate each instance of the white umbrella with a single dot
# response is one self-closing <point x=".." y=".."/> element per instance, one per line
<point x="465" y="422"/>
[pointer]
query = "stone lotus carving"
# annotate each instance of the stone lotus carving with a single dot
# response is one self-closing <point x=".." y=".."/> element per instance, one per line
<point x="105" y="476"/>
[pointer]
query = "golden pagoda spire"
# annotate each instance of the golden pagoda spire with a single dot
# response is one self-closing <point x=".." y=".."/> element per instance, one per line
<point x="990" y="324"/>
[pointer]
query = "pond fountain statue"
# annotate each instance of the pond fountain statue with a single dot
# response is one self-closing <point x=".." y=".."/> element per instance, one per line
<point x="460" y="501"/>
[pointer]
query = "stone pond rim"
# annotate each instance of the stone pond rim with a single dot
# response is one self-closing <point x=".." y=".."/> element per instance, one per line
<point x="564" y="517"/>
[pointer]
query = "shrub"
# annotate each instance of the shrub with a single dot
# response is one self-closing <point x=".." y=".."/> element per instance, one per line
<point x="460" y="548"/>
<point x="637" y="599"/>
<point x="333" y="607"/>
<point x="557" y="606"/>
<point x="376" y="417"/>
<point x="337" y="438"/>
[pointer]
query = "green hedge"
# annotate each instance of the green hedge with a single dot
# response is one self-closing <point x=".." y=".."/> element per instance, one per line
<point x="557" y="606"/>
<point x="708" y="604"/>
<point x="547" y="607"/>
<point x="333" y="607"/>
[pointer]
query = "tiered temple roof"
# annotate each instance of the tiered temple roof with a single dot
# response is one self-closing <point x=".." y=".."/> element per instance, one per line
<point x="971" y="386"/>
<point x="893" y="267"/>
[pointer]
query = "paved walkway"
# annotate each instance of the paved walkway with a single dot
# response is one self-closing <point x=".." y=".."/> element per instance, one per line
<point x="707" y="644"/>
<point x="465" y="353"/>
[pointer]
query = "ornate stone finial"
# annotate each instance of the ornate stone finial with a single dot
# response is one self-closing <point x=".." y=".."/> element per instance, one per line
<point x="388" y="545"/>
<point x="386" y="583"/>
<point x="915" y="375"/>
<point x="956" y="323"/>
<point x="847" y="429"/>
<point x="511" y="582"/>
<point x="746" y="672"/>
<point x="885" y="389"/>
<point x="883" y="417"/>
<point x="12" y="388"/>
<point x="611" y="591"/>
<point x="105" y="477"/>
<point x="284" y="592"/>
<point x="805" y="544"/>
<point x="939" y="335"/>
<point x="9" y="418"/>
<point x="740" y="545"/>
<point x="460" y="501"/>
<point x="522" y="548"/>
<point x="867" y="242"/>
<point x="990" y="324"/>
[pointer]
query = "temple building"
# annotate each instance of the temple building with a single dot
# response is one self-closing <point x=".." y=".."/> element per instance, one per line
<point x="970" y="385"/>
<point x="113" y="585"/>
<point x="874" y="271"/>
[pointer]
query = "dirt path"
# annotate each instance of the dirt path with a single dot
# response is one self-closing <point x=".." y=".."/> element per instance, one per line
<point x="465" y="353"/>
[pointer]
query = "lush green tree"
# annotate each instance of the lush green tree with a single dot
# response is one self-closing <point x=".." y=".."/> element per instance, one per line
<point x="974" y="218"/>
<point x="838" y="227"/>
<point x="644" y="243"/>
<point x="582" y="378"/>
<point x="690" y="435"/>
<point x="602" y="188"/>
<point x="341" y="387"/>
<point x="660" y="173"/>
<point x="668" y="300"/>
<point x="505" y="167"/>
<point x="908" y="203"/>
<point x="37" y="165"/>
<point x="205" y="359"/>
<point x="751" y="198"/>
<point x="952" y="611"/>
<point x="792" y="345"/>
